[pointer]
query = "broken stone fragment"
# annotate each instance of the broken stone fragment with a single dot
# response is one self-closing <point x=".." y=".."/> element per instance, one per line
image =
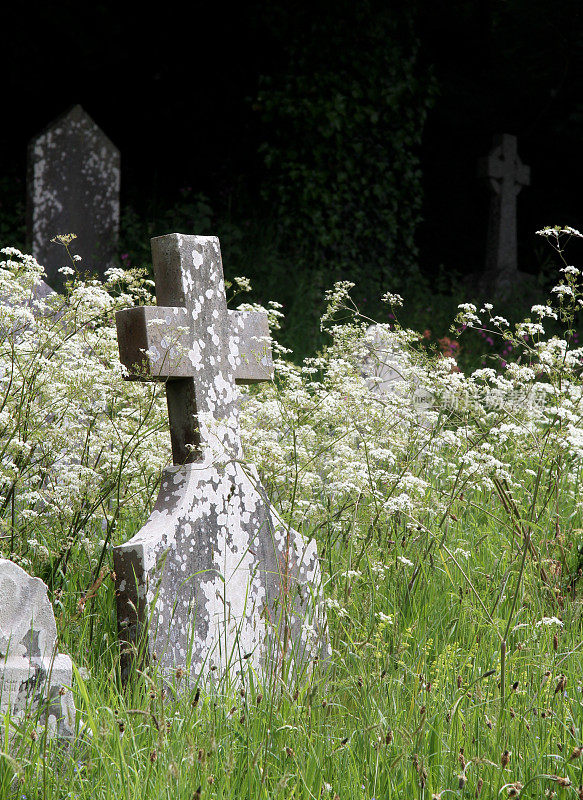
<point x="34" y="678"/>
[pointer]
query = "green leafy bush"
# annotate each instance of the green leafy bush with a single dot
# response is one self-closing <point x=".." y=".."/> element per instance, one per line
<point x="343" y="124"/>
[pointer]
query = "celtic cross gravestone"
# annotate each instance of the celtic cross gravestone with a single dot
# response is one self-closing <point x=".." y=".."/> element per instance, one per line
<point x="73" y="187"/>
<point x="506" y="175"/>
<point x="215" y="578"/>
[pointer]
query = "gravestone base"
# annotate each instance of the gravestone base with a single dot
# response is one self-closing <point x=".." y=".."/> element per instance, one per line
<point x="240" y="590"/>
<point x="39" y="690"/>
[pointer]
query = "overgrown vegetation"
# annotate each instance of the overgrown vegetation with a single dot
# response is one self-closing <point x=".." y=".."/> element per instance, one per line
<point x="448" y="519"/>
<point x="342" y="124"/>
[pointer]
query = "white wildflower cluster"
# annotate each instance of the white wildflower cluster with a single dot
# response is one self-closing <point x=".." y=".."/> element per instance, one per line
<point x="543" y="311"/>
<point x="333" y="441"/>
<point x="554" y="232"/>
<point x="392" y="299"/>
<point x="336" y="299"/>
<point x="79" y="444"/>
<point x="320" y="429"/>
<point x="467" y="315"/>
<point x="327" y="436"/>
<point x="548" y="622"/>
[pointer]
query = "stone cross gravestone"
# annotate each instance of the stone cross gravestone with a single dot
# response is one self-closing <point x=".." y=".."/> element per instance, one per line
<point x="506" y="175"/>
<point x="34" y="678"/>
<point x="73" y="187"/>
<point x="215" y="578"/>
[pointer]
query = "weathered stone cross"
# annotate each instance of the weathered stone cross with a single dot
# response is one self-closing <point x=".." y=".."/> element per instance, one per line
<point x="214" y="578"/>
<point x="195" y="344"/>
<point x="506" y="175"/>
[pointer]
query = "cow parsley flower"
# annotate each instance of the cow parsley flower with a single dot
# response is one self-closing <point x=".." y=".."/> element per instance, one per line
<point x="548" y="622"/>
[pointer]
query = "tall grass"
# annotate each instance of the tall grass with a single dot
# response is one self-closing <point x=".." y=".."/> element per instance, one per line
<point x="448" y="518"/>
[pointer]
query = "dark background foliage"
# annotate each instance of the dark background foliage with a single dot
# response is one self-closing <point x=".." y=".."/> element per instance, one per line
<point x="320" y="141"/>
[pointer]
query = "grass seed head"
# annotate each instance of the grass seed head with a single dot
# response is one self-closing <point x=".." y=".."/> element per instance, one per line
<point x="504" y="760"/>
<point x="515" y="789"/>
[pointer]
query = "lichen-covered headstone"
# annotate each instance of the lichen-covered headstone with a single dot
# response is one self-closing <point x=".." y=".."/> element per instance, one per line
<point x="73" y="187"/>
<point x="34" y="678"/>
<point x="385" y="362"/>
<point x="215" y="580"/>
<point x="390" y="372"/>
<point x="506" y="175"/>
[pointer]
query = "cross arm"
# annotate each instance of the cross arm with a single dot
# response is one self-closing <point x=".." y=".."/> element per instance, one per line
<point x="157" y="343"/>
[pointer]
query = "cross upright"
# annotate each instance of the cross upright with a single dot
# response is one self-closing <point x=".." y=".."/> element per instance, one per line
<point x="194" y="343"/>
<point x="215" y="579"/>
<point x="506" y="175"/>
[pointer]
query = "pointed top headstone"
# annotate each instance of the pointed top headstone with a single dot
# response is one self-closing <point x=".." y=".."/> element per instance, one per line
<point x="506" y="175"/>
<point x="73" y="187"/>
